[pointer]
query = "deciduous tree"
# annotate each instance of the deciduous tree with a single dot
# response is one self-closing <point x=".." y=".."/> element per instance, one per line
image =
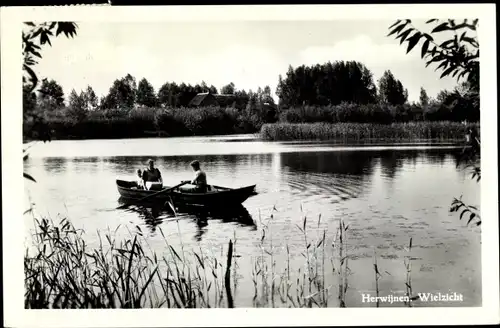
<point x="122" y="94"/>
<point x="91" y="101"/>
<point x="77" y="107"/>
<point x="424" y="98"/>
<point x="228" y="89"/>
<point x="327" y="84"/>
<point x="146" y="94"/>
<point x="391" y="90"/>
<point x="51" y="90"/>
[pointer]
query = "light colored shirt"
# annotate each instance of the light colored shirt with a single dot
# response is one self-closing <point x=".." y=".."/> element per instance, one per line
<point x="200" y="178"/>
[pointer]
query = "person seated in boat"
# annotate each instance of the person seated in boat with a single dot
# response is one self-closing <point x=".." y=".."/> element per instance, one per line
<point x="199" y="183"/>
<point x="152" y="177"/>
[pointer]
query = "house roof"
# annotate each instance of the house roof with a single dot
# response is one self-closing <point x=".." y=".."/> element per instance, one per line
<point x="198" y="99"/>
<point x="225" y="99"/>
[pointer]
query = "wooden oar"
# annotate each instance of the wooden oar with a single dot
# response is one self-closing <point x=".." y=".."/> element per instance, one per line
<point x="155" y="194"/>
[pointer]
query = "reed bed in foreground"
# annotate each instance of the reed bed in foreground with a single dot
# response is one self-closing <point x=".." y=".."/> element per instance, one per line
<point x="366" y="131"/>
<point x="62" y="271"/>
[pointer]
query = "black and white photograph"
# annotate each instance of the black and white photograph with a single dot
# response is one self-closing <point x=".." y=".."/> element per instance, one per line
<point x="250" y="157"/>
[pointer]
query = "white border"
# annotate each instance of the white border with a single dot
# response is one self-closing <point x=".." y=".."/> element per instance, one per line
<point x="12" y="187"/>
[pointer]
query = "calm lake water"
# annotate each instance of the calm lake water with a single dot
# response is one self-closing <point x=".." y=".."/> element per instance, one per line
<point x="385" y="193"/>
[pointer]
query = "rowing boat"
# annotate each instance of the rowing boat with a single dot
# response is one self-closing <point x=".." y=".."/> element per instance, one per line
<point x="216" y="196"/>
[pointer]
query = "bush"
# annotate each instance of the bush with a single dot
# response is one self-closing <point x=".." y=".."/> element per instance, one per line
<point x="142" y="122"/>
<point x="378" y="113"/>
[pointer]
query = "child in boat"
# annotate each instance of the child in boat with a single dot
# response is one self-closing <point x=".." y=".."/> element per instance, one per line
<point x="140" y="181"/>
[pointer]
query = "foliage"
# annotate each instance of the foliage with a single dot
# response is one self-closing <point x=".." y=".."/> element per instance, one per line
<point x="168" y="94"/>
<point x="228" y="89"/>
<point x="367" y="132"/>
<point x="327" y="84"/>
<point x="424" y="98"/>
<point x="146" y="94"/>
<point x="458" y="56"/>
<point x="90" y="98"/>
<point x="33" y="38"/>
<point x="391" y="90"/>
<point x="172" y="94"/>
<point x="143" y="122"/>
<point x="453" y="110"/>
<point x="77" y="107"/>
<point x="62" y="271"/>
<point x="242" y="98"/>
<point x="29" y="102"/>
<point x="36" y="36"/>
<point x="122" y="94"/>
<point x="51" y="90"/>
<point x="466" y="210"/>
<point x="121" y="113"/>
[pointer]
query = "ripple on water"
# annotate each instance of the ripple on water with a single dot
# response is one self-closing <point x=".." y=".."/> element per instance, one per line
<point x="385" y="197"/>
<point x="426" y="268"/>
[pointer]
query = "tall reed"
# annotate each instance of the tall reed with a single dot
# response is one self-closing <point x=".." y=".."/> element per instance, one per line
<point x="407" y="263"/>
<point x="377" y="276"/>
<point x="412" y="131"/>
<point x="62" y="272"/>
<point x="343" y="262"/>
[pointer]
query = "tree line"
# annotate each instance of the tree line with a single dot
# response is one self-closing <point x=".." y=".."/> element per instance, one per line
<point x="126" y="94"/>
<point x="333" y="92"/>
<point x="340" y="85"/>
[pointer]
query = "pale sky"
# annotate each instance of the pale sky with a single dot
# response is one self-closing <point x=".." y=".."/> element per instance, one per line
<point x="249" y="54"/>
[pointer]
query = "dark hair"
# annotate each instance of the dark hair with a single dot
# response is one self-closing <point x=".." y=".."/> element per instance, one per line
<point x="195" y="164"/>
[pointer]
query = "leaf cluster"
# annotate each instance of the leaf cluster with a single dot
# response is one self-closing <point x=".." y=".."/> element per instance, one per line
<point x="459" y="206"/>
<point x="457" y="56"/>
<point x="36" y="36"/>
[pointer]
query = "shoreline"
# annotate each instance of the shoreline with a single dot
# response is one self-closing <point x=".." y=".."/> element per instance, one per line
<point x="416" y="131"/>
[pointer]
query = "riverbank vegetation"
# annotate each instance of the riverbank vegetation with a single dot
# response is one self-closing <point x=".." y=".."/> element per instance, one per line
<point x="65" y="122"/>
<point x="331" y="92"/>
<point x="413" y="131"/>
<point x="63" y="271"/>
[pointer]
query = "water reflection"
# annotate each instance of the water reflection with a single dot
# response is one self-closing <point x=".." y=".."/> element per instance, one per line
<point x="238" y="214"/>
<point x="385" y="195"/>
<point x="335" y="175"/>
<point x="349" y="162"/>
<point x="154" y="214"/>
<point x="55" y="164"/>
<point x="150" y="216"/>
<point x="391" y="163"/>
